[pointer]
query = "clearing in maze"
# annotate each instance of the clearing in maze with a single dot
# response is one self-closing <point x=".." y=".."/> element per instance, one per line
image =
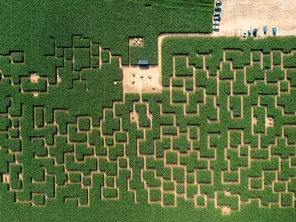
<point x="239" y="16"/>
<point x="218" y="132"/>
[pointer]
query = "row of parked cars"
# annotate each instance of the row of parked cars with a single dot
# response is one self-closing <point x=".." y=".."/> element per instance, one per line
<point x="216" y="15"/>
<point x="255" y="31"/>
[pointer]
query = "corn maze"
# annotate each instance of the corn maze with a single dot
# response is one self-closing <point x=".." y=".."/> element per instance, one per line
<point x="220" y="135"/>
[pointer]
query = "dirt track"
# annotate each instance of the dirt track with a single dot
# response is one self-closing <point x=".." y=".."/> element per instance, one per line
<point x="241" y="15"/>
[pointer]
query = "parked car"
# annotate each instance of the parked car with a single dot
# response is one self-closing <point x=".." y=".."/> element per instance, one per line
<point x="218" y="3"/>
<point x="249" y="32"/>
<point x="216" y="14"/>
<point x="216" y="23"/>
<point x="255" y="31"/>
<point x="217" y="18"/>
<point x="216" y="28"/>
<point x="265" y="30"/>
<point x="244" y="34"/>
<point x="274" y="30"/>
<point x="218" y="9"/>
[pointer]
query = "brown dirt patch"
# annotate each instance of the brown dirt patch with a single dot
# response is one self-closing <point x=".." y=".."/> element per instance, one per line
<point x="134" y="117"/>
<point x="34" y="77"/>
<point x="136" y="79"/>
<point x="59" y="78"/>
<point x="254" y="120"/>
<point x="5" y="178"/>
<point x="225" y="210"/>
<point x="237" y="16"/>
<point x="269" y="122"/>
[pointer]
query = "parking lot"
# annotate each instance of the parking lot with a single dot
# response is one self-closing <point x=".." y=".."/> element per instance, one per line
<point x="239" y="15"/>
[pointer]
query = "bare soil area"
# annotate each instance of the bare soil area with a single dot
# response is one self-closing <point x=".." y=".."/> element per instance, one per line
<point x="225" y="210"/>
<point x="5" y="178"/>
<point x="269" y="122"/>
<point x="242" y="15"/>
<point x="34" y="77"/>
<point x="136" y="79"/>
<point x="134" y="117"/>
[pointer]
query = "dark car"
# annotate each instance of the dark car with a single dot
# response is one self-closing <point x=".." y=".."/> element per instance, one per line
<point x="255" y="32"/>
<point x="218" y="9"/>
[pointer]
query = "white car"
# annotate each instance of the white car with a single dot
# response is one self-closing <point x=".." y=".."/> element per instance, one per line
<point x="216" y="28"/>
<point x="244" y="33"/>
<point x="216" y="14"/>
<point x="217" y="18"/>
<point x="218" y="3"/>
<point x="216" y="23"/>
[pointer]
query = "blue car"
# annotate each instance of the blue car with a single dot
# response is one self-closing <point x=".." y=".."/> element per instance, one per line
<point x="274" y="30"/>
<point x="265" y="30"/>
<point x="249" y="32"/>
<point x="218" y="9"/>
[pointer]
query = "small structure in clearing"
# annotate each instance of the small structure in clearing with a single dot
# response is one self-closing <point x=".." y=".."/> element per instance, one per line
<point x="136" y="41"/>
<point x="143" y="63"/>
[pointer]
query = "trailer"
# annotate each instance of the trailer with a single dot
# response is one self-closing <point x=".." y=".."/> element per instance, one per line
<point x="143" y="63"/>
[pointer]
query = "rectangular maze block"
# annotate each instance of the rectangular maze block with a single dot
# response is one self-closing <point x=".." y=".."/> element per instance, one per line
<point x="217" y="133"/>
